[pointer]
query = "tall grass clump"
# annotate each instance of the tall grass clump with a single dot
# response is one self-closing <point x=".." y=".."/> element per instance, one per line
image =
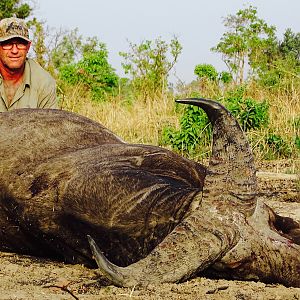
<point x="138" y="122"/>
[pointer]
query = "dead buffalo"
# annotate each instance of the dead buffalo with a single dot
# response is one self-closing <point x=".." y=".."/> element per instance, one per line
<point x="69" y="185"/>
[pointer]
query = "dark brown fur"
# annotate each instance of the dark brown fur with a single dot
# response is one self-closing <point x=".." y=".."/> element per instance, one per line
<point x="161" y="217"/>
<point x="64" y="176"/>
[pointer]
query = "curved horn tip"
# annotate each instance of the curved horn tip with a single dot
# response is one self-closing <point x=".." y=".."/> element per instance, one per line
<point x="105" y="266"/>
<point x="213" y="109"/>
<point x="201" y="102"/>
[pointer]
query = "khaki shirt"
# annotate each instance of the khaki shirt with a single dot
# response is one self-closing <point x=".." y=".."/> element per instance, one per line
<point x="38" y="90"/>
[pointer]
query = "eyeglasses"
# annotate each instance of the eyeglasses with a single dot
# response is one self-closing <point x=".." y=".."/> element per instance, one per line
<point x="19" y="45"/>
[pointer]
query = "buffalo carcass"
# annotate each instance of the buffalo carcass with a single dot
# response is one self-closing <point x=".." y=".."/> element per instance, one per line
<point x="68" y="186"/>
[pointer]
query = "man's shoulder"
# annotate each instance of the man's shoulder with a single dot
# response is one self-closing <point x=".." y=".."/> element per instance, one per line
<point x="38" y="73"/>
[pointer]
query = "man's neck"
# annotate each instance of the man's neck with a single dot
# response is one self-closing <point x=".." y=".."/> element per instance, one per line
<point x="12" y="75"/>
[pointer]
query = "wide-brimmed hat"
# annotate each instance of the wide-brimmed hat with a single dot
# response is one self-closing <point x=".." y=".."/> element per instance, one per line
<point x="13" y="28"/>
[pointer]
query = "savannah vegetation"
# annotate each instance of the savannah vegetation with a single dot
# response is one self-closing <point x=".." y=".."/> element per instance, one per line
<point x="261" y="85"/>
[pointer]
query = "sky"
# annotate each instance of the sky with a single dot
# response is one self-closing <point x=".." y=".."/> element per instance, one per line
<point x="197" y="24"/>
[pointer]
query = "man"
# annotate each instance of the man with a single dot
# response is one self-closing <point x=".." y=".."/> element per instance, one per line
<point x="23" y="82"/>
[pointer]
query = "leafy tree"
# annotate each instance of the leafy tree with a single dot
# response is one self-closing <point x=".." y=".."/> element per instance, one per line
<point x="92" y="70"/>
<point x="290" y="46"/>
<point x="207" y="71"/>
<point x="247" y="39"/>
<point x="9" y="8"/>
<point x="282" y="68"/>
<point x="38" y="41"/>
<point x="281" y="73"/>
<point x="149" y="65"/>
<point x="74" y="60"/>
<point x="67" y="47"/>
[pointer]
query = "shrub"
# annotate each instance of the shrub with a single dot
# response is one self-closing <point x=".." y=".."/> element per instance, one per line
<point x="194" y="132"/>
<point x="94" y="72"/>
<point x="225" y="77"/>
<point x="250" y="113"/>
<point x="206" y="71"/>
<point x="277" y="147"/>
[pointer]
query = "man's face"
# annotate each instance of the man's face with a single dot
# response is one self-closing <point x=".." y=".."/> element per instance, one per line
<point x="13" y="53"/>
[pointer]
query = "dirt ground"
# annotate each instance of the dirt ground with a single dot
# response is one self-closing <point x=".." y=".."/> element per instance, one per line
<point x="24" y="277"/>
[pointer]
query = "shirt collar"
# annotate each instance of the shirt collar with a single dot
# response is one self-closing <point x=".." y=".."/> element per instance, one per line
<point x="27" y="76"/>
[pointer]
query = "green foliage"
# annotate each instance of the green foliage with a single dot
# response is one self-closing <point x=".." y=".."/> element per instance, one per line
<point x="225" y="77"/>
<point x="68" y="74"/>
<point x="195" y="130"/>
<point x="250" y="41"/>
<point x="63" y="48"/>
<point x="247" y="39"/>
<point x="250" y="113"/>
<point x="38" y="41"/>
<point x="206" y="71"/>
<point x="290" y="46"/>
<point x="93" y="71"/>
<point x="270" y="79"/>
<point x="149" y="65"/>
<point x="297" y="142"/>
<point x="297" y="128"/>
<point x="282" y="68"/>
<point x="277" y="147"/>
<point x="194" y="133"/>
<point x="67" y="49"/>
<point x="282" y="74"/>
<point x="10" y="8"/>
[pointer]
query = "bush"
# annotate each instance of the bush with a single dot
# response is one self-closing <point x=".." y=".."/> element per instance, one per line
<point x="94" y="72"/>
<point x="206" y="71"/>
<point x="225" y="77"/>
<point x="277" y="147"/>
<point x="194" y="132"/>
<point x="297" y="142"/>
<point x="250" y="113"/>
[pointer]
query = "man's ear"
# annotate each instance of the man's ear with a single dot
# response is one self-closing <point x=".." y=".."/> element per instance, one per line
<point x="28" y="46"/>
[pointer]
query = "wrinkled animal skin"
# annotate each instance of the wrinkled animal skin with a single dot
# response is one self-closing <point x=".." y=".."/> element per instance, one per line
<point x="70" y="189"/>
